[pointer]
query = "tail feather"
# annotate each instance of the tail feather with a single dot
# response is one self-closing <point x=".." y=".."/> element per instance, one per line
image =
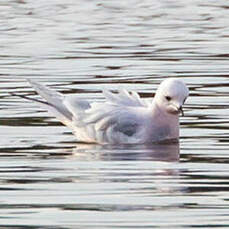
<point x="47" y="93"/>
<point x="53" y="102"/>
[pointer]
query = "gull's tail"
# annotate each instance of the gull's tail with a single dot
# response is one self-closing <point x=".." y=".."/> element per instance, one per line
<point x="54" y="102"/>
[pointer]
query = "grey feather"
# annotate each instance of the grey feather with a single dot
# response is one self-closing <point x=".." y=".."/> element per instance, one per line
<point x="54" y="102"/>
<point x="126" y="127"/>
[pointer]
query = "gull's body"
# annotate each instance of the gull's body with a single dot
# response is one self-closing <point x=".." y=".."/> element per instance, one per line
<point x="123" y="118"/>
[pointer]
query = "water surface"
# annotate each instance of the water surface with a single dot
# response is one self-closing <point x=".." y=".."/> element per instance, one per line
<point x="50" y="180"/>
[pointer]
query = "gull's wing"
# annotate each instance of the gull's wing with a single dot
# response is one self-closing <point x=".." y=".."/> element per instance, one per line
<point x="104" y="122"/>
<point x="116" y="120"/>
<point x="103" y="114"/>
<point x="115" y="110"/>
<point x="111" y="121"/>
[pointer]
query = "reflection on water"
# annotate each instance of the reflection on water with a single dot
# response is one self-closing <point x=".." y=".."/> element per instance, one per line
<point x="91" y="184"/>
<point x="90" y="178"/>
<point x="159" y="152"/>
<point x="48" y="179"/>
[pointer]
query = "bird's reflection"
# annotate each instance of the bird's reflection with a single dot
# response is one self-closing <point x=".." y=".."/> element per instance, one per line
<point x="168" y="152"/>
<point x="154" y="172"/>
<point x="154" y="167"/>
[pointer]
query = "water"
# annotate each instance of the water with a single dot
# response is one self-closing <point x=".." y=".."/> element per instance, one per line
<point x="48" y="179"/>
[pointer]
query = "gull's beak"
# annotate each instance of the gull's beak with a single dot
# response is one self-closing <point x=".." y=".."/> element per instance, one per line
<point x="179" y="109"/>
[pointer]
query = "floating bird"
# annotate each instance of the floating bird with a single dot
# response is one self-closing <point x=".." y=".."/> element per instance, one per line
<point x="123" y="118"/>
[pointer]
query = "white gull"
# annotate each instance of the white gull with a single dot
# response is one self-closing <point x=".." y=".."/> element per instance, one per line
<point x="123" y="118"/>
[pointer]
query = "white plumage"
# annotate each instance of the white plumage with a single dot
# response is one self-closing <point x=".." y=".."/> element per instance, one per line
<point x="123" y="118"/>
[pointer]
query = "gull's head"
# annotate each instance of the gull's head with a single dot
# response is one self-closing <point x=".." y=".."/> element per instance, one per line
<point x="171" y="95"/>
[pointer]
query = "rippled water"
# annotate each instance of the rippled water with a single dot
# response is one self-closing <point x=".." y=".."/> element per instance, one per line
<point x="48" y="179"/>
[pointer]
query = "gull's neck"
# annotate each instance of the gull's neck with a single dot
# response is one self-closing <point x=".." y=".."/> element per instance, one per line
<point x="165" y="119"/>
<point x="158" y="110"/>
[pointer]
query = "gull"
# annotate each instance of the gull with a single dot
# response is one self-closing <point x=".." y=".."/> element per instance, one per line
<point x="123" y="118"/>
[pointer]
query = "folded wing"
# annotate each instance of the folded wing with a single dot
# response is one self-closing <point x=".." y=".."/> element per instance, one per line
<point x="111" y="121"/>
<point x="115" y="120"/>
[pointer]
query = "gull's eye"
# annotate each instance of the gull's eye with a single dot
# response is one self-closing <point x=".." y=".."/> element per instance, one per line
<point x="168" y="98"/>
